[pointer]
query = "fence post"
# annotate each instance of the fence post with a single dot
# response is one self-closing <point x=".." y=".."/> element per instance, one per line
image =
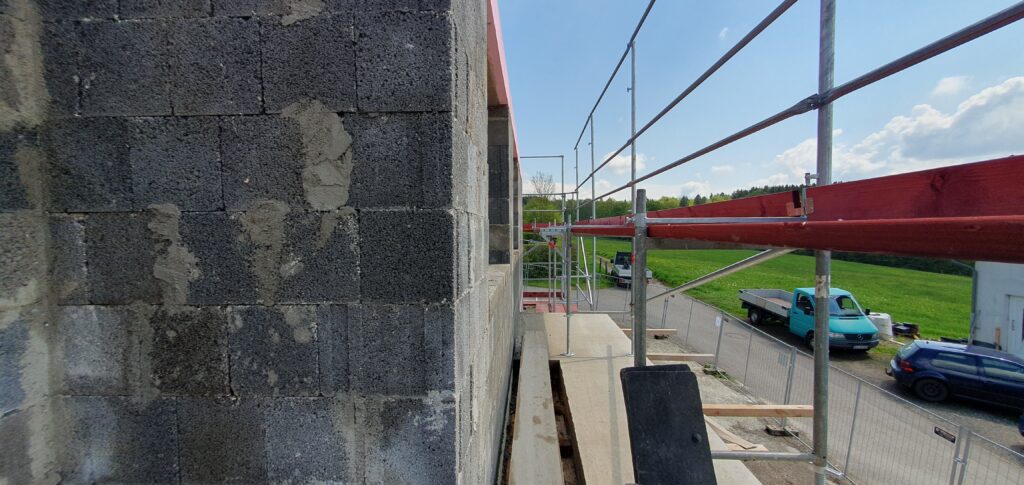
<point x="789" y="379"/>
<point x="853" y="429"/>
<point x="689" y="323"/>
<point x="664" y="313"/>
<point x="746" y="363"/>
<point x="965" y="457"/>
<point x="718" y="346"/>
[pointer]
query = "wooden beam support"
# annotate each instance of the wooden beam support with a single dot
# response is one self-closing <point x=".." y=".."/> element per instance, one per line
<point x="652" y="331"/>
<point x="760" y="410"/>
<point x="658" y="357"/>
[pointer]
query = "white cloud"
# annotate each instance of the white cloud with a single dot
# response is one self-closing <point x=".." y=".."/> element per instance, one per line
<point x="988" y="124"/>
<point x="722" y="33"/>
<point x="949" y="86"/>
<point x="655" y="191"/>
<point x="722" y="169"/>
<point x="620" y="164"/>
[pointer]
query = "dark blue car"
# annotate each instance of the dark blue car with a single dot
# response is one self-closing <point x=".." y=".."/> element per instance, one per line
<point x="936" y="371"/>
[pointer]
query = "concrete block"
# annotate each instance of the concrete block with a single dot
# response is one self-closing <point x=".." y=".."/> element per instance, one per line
<point x="222" y="253"/>
<point x="216" y="66"/>
<point x="386" y="5"/>
<point x="308" y="441"/>
<point x="138" y="9"/>
<point x="89" y="169"/>
<point x="68" y="264"/>
<point x="22" y="259"/>
<point x="222" y="441"/>
<point x="499" y="210"/>
<point x="176" y="161"/>
<point x="120" y="440"/>
<point x="77" y="9"/>
<point x="98" y="349"/>
<point x="124" y="68"/>
<point x="409" y="255"/>
<point x="61" y="46"/>
<point x="248" y="8"/>
<point x="314" y="59"/>
<point x="417" y="442"/>
<point x="498" y="171"/>
<point x="14" y="343"/>
<point x="388" y="356"/>
<point x="13" y="195"/>
<point x="401" y="160"/>
<point x="273" y="351"/>
<point x="121" y="256"/>
<point x="332" y="332"/>
<point x="15" y="458"/>
<point x="262" y="159"/>
<point x="188" y="352"/>
<point x="439" y="347"/>
<point x="320" y="261"/>
<point x="403" y="61"/>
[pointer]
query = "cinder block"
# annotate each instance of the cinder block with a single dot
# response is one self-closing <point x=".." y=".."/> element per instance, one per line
<point x="120" y="440"/>
<point x="89" y="169"/>
<point x="216" y="66"/>
<point x="273" y="351"/>
<point x="77" y="9"/>
<point x="61" y="46"/>
<point x="222" y="441"/>
<point x="121" y="255"/>
<point x="15" y="460"/>
<point x="248" y="8"/>
<point x="135" y="9"/>
<point x="320" y="262"/>
<point x="12" y="190"/>
<point x="188" y="353"/>
<point x="439" y="347"/>
<point x="498" y="210"/>
<point x="68" y="269"/>
<point x="177" y="161"/>
<point x="401" y="160"/>
<point x="332" y="335"/>
<point x="124" y="68"/>
<point x="384" y="5"/>
<point x="409" y="256"/>
<point x="498" y="170"/>
<point x="222" y="253"/>
<point x="313" y="59"/>
<point x="308" y="439"/>
<point x="262" y="159"/>
<point x="98" y="349"/>
<point x="13" y="346"/>
<point x="403" y="61"/>
<point x="417" y="442"/>
<point x="387" y="355"/>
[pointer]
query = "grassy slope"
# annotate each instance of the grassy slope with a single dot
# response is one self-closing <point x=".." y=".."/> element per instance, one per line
<point x="939" y="303"/>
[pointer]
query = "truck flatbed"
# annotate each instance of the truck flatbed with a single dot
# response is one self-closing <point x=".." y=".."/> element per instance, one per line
<point x="776" y="302"/>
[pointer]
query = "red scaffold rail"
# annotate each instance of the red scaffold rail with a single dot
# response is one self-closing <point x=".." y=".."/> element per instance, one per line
<point x="973" y="211"/>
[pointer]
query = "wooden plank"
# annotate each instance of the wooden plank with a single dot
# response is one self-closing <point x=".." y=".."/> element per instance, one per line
<point x="652" y="331"/>
<point x="760" y="410"/>
<point x="535" y="457"/>
<point x="728" y="436"/>
<point x="661" y="357"/>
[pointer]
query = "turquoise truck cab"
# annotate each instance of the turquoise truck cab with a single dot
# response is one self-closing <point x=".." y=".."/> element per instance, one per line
<point x="848" y="324"/>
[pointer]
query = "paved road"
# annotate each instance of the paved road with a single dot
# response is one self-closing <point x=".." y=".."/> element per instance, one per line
<point x="892" y="439"/>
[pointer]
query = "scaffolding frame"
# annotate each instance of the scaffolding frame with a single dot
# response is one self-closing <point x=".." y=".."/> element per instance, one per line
<point x="920" y="214"/>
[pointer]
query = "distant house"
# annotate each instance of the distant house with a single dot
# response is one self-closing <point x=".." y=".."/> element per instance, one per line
<point x="999" y="307"/>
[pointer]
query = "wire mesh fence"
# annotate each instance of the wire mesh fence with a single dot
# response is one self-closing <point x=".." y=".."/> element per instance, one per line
<point x="875" y="436"/>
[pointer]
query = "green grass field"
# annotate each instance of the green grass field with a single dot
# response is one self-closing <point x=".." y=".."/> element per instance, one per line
<point x="940" y="303"/>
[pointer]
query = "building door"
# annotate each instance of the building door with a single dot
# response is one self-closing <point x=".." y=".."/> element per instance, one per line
<point x="1015" y="339"/>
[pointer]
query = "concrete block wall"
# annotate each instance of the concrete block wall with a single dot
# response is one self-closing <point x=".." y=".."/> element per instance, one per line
<point x="246" y="240"/>
<point x="501" y="175"/>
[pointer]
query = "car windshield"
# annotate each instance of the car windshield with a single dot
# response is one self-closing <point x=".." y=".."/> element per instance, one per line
<point x="844" y="306"/>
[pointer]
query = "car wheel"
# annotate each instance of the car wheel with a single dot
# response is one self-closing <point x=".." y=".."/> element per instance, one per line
<point x="755" y="317"/>
<point x="809" y="340"/>
<point x="931" y="390"/>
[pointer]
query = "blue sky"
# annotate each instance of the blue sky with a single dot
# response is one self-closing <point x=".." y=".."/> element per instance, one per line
<point x="965" y="105"/>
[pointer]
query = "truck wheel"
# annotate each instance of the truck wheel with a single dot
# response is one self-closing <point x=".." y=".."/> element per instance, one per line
<point x="809" y="340"/>
<point x="754" y="315"/>
<point x="931" y="390"/>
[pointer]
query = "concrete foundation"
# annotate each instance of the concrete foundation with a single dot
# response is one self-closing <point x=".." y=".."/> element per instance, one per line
<point x="248" y="240"/>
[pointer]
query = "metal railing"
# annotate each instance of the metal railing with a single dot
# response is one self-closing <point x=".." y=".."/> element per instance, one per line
<point x="875" y="436"/>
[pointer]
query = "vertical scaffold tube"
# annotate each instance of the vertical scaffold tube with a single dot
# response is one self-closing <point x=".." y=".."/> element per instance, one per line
<point x="638" y="280"/>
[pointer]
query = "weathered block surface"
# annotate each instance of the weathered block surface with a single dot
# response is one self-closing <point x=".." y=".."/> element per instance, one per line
<point x="401" y="160"/>
<point x="76" y="9"/>
<point x="320" y="260"/>
<point x="12" y="189"/>
<point x="99" y="349"/>
<point x="222" y="252"/>
<point x="403" y="61"/>
<point x="164" y="8"/>
<point x="176" y="161"/>
<point x="13" y="346"/>
<point x="89" y="169"/>
<point x="121" y="256"/>
<point x="120" y="440"/>
<point x="273" y="351"/>
<point x="68" y="264"/>
<point x="312" y="59"/>
<point x="124" y="68"/>
<point x="416" y="442"/>
<point x="248" y="8"/>
<point x="222" y="441"/>
<point x="411" y="253"/>
<point x="216" y="66"/>
<point x="188" y="352"/>
<point x="308" y="440"/>
<point x="333" y="344"/>
<point x="262" y="158"/>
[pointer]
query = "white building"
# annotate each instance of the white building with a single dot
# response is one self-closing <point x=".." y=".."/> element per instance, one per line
<point x="999" y="307"/>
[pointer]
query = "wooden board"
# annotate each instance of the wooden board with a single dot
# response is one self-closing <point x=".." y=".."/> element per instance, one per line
<point x="659" y="357"/>
<point x="535" y="458"/>
<point x="653" y="331"/>
<point x="760" y="410"/>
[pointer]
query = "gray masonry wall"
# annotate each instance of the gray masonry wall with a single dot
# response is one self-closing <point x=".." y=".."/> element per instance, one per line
<point x="501" y="175"/>
<point x="247" y="240"/>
